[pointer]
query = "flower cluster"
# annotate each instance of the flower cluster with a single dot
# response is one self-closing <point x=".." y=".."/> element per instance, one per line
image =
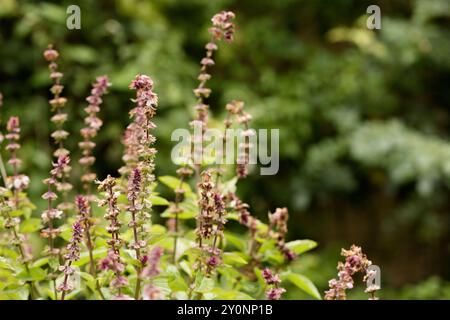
<point x="139" y="163"/>
<point x="57" y="104"/>
<point x="272" y="281"/>
<point x="196" y="270"/>
<point x="278" y="230"/>
<point x="222" y="28"/>
<point x="72" y="255"/>
<point x="236" y="108"/>
<point x="112" y="211"/>
<point x="51" y="214"/>
<point x="83" y="208"/>
<point x="84" y="211"/>
<point x="13" y="224"/>
<point x="137" y="138"/>
<point x="210" y="220"/>
<point x="2" y="138"/>
<point x="17" y="182"/>
<point x="205" y="218"/>
<point x="139" y="150"/>
<point x="151" y="292"/>
<point x="112" y="261"/>
<point x="219" y="220"/>
<point x="93" y="124"/>
<point x="134" y="190"/>
<point x="355" y="261"/>
<point x="246" y="219"/>
<point x="73" y="247"/>
<point x="152" y="263"/>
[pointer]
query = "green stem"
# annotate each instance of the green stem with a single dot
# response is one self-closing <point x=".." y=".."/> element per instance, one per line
<point x="3" y="170"/>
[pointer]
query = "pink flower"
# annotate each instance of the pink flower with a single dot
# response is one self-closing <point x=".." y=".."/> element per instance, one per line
<point x="153" y="260"/>
<point x="270" y="278"/>
<point x="275" y="293"/>
<point x="152" y="293"/>
<point x="119" y="281"/>
<point x="141" y="81"/>
<point x="51" y="54"/>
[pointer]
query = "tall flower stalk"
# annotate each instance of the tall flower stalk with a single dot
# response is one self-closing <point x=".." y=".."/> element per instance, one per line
<point x="113" y="260"/>
<point x="355" y="261"/>
<point x="51" y="214"/>
<point x="139" y="164"/>
<point x="222" y="29"/>
<point x="247" y="220"/>
<point x="18" y="239"/>
<point x="2" y="163"/>
<point x="84" y="211"/>
<point x="57" y="104"/>
<point x="72" y="255"/>
<point x="278" y="231"/>
<point x="93" y="124"/>
<point x="274" y="291"/>
<point x="150" y="291"/>
<point x="236" y="108"/>
<point x="210" y="221"/>
<point x="89" y="132"/>
<point x="17" y="182"/>
<point x="134" y="189"/>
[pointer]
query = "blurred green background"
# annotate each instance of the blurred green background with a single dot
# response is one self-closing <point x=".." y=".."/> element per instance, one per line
<point x="363" y="115"/>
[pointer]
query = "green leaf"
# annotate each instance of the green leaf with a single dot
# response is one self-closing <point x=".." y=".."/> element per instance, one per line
<point x="304" y="284"/>
<point x="176" y="281"/>
<point x="206" y="285"/>
<point x="20" y="293"/>
<point x="5" y="264"/>
<point x="229" y="186"/>
<point x="301" y="246"/>
<point x="84" y="257"/>
<point x="186" y="268"/>
<point x="235" y="241"/>
<point x="159" y="201"/>
<point x="181" y="215"/>
<point x="81" y="54"/>
<point x="234" y="258"/>
<point x="30" y="225"/>
<point x="33" y="274"/>
<point x="221" y="294"/>
<point x="53" y="262"/>
<point x="158" y="229"/>
<point x="174" y="183"/>
<point x="181" y="295"/>
<point x="89" y="279"/>
<point x="40" y="262"/>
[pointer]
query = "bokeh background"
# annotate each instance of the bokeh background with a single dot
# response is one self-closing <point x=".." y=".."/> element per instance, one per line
<point x="363" y="115"/>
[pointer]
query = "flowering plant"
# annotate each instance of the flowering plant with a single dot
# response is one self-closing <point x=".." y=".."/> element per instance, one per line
<point x="101" y="241"/>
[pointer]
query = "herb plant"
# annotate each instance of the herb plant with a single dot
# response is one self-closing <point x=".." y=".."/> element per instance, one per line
<point x="100" y="241"/>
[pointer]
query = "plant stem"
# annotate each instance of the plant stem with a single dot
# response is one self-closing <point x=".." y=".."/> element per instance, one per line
<point x="66" y="278"/>
<point x="137" y="249"/>
<point x="92" y="269"/>
<point x="177" y="208"/>
<point x="3" y="170"/>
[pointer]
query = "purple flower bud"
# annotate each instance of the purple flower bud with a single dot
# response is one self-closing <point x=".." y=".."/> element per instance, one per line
<point x="275" y="293"/>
